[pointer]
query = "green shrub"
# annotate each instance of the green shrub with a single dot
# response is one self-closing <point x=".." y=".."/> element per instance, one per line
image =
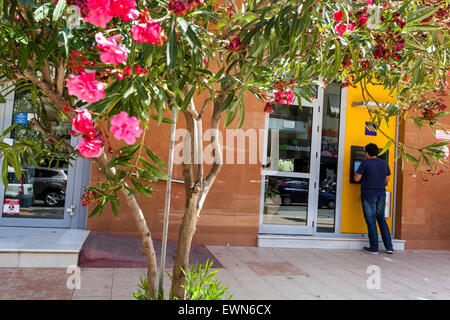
<point x="201" y="284"/>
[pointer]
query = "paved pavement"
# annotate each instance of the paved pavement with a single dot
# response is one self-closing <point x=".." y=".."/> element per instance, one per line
<point x="263" y="273"/>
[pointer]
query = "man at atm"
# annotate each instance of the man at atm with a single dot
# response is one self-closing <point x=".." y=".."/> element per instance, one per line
<point x="374" y="173"/>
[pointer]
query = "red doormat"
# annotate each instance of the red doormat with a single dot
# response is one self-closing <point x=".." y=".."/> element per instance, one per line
<point x="108" y="250"/>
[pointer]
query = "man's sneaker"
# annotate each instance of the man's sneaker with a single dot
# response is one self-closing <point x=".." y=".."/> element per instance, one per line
<point x="368" y="250"/>
<point x="390" y="251"/>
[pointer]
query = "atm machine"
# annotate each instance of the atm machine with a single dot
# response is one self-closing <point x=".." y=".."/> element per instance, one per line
<point x="358" y="154"/>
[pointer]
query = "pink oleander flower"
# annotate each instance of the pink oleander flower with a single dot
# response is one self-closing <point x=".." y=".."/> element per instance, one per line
<point x="113" y="52"/>
<point x="369" y="2"/>
<point x="124" y="9"/>
<point x="337" y="16"/>
<point x="151" y="32"/>
<point x="85" y="87"/>
<point x="90" y="148"/>
<point x="83" y="121"/>
<point x="284" y="97"/>
<point x="362" y="20"/>
<point x="99" y="12"/>
<point x="340" y="28"/>
<point x="351" y="26"/>
<point x="126" y="128"/>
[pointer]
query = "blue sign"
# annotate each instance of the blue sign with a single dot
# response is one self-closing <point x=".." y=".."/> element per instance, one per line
<point x="371" y="129"/>
<point x="21" y="118"/>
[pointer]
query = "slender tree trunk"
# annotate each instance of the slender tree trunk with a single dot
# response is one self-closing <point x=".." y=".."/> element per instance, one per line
<point x="196" y="189"/>
<point x="185" y="235"/>
<point x="144" y="231"/>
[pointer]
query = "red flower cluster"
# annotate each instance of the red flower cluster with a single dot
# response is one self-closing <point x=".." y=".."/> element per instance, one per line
<point x="87" y="197"/>
<point x="361" y="20"/>
<point x="389" y="45"/>
<point x="78" y="62"/>
<point x="268" y="108"/>
<point x="128" y="72"/>
<point x="183" y="7"/>
<point x="235" y="44"/>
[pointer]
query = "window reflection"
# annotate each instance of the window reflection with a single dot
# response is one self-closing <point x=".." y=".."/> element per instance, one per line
<point x="289" y="142"/>
<point x="286" y="201"/>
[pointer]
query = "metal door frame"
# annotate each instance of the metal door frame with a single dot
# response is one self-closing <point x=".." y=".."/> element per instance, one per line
<point x="313" y="175"/>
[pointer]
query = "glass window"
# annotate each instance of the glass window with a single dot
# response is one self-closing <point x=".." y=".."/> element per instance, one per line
<point x="289" y="140"/>
<point x="329" y="159"/>
<point x="40" y="192"/>
<point x="286" y="201"/>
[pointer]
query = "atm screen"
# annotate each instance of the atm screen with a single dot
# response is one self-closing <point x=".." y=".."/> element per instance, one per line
<point x="357" y="164"/>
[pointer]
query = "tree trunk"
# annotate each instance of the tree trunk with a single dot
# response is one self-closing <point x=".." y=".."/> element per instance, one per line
<point x="196" y="189"/>
<point x="185" y="235"/>
<point x="147" y="242"/>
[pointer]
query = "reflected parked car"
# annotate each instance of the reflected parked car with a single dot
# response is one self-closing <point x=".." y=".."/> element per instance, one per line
<point x="296" y="191"/>
<point x="21" y="189"/>
<point x="49" y="185"/>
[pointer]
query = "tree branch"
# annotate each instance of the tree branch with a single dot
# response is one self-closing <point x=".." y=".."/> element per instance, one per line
<point x="49" y="136"/>
<point x="59" y="79"/>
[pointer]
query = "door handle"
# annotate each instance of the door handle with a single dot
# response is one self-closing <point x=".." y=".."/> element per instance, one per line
<point x="71" y="210"/>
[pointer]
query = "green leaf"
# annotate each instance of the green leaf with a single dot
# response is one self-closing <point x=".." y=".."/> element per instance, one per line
<point x="142" y="92"/>
<point x="5" y="133"/>
<point x="42" y="12"/>
<point x="98" y="209"/>
<point x="155" y="158"/>
<point x="241" y="115"/>
<point x="412" y="159"/>
<point x="188" y="99"/>
<point x="421" y="13"/>
<point x="58" y="10"/>
<point x="114" y="206"/>
<point x="172" y="49"/>
<point x="130" y="150"/>
<point x="227" y="101"/>
<point x="386" y="147"/>
<point x="153" y="170"/>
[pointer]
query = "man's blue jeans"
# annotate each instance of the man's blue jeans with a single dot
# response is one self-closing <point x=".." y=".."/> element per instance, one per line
<point x="373" y="208"/>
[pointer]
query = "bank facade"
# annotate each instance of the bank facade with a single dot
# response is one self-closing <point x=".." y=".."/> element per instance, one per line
<point x="298" y="193"/>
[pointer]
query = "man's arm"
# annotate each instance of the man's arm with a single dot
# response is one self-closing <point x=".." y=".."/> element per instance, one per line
<point x="357" y="177"/>
<point x="387" y="179"/>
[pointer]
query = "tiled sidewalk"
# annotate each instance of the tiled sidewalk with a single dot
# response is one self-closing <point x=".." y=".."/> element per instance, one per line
<point x="263" y="273"/>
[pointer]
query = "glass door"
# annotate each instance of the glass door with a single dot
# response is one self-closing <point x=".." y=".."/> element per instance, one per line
<point x="41" y="195"/>
<point x="290" y="171"/>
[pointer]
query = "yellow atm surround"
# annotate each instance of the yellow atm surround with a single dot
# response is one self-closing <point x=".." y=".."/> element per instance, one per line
<point x="352" y="218"/>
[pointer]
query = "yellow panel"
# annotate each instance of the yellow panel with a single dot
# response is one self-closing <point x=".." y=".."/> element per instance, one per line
<point x="352" y="218"/>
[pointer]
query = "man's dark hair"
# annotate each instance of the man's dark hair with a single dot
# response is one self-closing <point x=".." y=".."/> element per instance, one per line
<point x="372" y="149"/>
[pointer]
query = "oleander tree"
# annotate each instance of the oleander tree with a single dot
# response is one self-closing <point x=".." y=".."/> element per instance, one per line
<point x="114" y="67"/>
